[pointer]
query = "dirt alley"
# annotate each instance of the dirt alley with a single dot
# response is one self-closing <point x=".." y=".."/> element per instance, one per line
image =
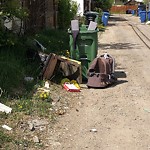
<point x="120" y="114"/>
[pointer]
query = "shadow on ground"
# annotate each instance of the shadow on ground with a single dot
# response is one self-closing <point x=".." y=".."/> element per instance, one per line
<point x="119" y="82"/>
<point x="120" y="74"/>
<point x="118" y="46"/>
<point x="111" y="24"/>
<point x="116" y="18"/>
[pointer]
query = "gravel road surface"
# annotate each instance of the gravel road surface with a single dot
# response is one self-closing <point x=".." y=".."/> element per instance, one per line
<point x="118" y="117"/>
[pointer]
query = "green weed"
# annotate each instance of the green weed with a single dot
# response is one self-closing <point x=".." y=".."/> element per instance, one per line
<point x="4" y="138"/>
<point x="15" y="65"/>
<point x="55" y="41"/>
<point x="32" y="107"/>
<point x="14" y="68"/>
<point x="8" y="142"/>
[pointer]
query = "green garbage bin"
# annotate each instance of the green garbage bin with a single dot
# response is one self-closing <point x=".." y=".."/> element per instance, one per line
<point x="86" y="48"/>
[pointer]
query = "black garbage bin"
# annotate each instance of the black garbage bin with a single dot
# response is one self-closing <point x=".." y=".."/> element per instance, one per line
<point x="91" y="16"/>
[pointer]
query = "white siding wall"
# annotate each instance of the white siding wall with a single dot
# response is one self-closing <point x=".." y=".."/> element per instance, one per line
<point x="81" y="7"/>
<point x="139" y="0"/>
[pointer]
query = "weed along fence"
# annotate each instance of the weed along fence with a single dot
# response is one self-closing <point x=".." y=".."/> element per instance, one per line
<point x="122" y="8"/>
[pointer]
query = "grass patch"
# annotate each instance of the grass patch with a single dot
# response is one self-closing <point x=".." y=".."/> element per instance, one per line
<point x="55" y="41"/>
<point x="9" y="141"/>
<point x="4" y="138"/>
<point x="15" y="64"/>
<point x="32" y="107"/>
<point x="14" y="68"/>
<point x="23" y="110"/>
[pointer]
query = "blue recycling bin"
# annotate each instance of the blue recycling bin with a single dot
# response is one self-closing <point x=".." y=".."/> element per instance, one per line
<point x="105" y="18"/>
<point x="141" y="8"/>
<point x="133" y="12"/>
<point x="143" y="16"/>
<point x="148" y="15"/>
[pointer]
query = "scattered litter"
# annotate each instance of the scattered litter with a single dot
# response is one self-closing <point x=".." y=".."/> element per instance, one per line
<point x="46" y="84"/>
<point x="6" y="127"/>
<point x="31" y="126"/>
<point x="147" y="110"/>
<point x="75" y="83"/>
<point x="93" y="130"/>
<point x="71" y="87"/>
<point x="5" y="108"/>
<point x="36" y="139"/>
<point x="34" y="124"/>
<point x="8" y="23"/>
<point x="60" y="111"/>
<point x="55" y="144"/>
<point x="28" y="79"/>
<point x="39" y="45"/>
<point x="148" y="22"/>
<point x="59" y="64"/>
<point x="92" y="26"/>
<point x="65" y="80"/>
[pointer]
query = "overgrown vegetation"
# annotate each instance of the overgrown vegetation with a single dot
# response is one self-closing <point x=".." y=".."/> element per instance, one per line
<point x="15" y="63"/>
<point x="23" y="110"/>
<point x="10" y="11"/>
<point x="100" y="13"/>
<point x="105" y="5"/>
<point x="55" y="41"/>
<point x="67" y="9"/>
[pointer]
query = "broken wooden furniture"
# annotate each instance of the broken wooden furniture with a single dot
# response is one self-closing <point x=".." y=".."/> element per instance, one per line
<point x="67" y="67"/>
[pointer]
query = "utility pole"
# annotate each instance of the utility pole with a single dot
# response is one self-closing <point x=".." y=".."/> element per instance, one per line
<point x="147" y="2"/>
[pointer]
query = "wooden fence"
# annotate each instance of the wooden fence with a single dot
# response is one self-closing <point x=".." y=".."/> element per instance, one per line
<point x="122" y="8"/>
<point x="42" y="13"/>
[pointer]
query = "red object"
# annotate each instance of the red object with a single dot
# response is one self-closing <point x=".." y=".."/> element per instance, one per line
<point x="71" y="87"/>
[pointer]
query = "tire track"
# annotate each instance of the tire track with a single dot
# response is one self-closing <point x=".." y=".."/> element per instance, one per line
<point x="141" y="35"/>
<point x="145" y="39"/>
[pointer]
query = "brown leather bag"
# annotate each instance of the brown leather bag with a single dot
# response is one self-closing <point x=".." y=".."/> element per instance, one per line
<point x="101" y="72"/>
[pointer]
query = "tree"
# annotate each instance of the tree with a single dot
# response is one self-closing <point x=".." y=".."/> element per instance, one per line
<point x="9" y="11"/>
<point x="105" y="4"/>
<point x="67" y="9"/>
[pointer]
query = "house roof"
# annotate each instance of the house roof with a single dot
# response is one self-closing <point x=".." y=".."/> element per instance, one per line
<point x="133" y="2"/>
<point x="139" y="0"/>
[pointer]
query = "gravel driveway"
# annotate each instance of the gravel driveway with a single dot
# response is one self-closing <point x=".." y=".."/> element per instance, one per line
<point x="116" y="118"/>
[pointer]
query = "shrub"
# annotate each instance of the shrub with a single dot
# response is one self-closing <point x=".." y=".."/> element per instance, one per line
<point x="15" y="66"/>
<point x="67" y="10"/>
